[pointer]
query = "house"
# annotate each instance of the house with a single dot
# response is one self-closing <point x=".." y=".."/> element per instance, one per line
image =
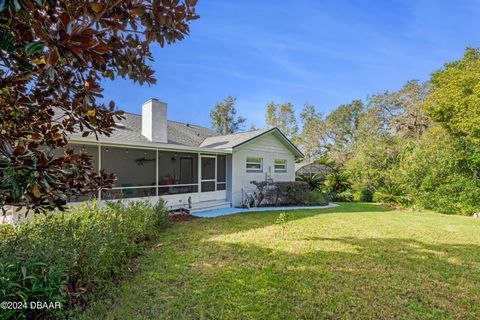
<point x="184" y="163"/>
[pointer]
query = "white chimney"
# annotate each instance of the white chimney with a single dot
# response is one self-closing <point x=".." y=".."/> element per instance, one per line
<point x="154" y="120"/>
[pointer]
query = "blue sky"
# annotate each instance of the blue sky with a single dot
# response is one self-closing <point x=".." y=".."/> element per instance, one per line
<point x="324" y="53"/>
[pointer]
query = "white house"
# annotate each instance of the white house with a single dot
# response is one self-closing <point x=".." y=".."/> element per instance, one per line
<point x="154" y="157"/>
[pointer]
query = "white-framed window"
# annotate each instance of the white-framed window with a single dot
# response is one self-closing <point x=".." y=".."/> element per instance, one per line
<point x="280" y="165"/>
<point x="254" y="164"/>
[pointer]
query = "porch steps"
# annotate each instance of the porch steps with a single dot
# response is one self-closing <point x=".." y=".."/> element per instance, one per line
<point x="209" y="205"/>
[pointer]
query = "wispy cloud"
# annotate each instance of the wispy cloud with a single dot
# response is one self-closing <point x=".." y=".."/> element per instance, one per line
<point x="324" y="52"/>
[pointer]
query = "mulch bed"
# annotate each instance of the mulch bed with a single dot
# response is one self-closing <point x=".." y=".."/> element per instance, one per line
<point x="178" y="217"/>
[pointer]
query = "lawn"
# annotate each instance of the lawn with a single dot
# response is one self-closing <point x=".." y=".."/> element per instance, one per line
<point x="354" y="261"/>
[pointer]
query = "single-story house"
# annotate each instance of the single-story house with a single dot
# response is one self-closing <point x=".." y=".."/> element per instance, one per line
<point x="155" y="157"/>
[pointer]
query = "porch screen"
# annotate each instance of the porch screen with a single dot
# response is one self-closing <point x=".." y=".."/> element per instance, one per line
<point x="177" y="172"/>
<point x="221" y="172"/>
<point x="135" y="170"/>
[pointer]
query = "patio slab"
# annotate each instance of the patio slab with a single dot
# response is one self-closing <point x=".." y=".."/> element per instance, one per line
<point x="227" y="211"/>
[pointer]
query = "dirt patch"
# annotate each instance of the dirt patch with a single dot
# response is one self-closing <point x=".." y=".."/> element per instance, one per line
<point x="178" y="217"/>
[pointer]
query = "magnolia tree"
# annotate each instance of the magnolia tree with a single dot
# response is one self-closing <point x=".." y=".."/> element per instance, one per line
<point x="53" y="56"/>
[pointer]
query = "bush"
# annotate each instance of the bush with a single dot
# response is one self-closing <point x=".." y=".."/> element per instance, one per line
<point x="315" y="181"/>
<point x="345" y="196"/>
<point x="337" y="182"/>
<point x="392" y="195"/>
<point x="461" y="195"/>
<point x="63" y="256"/>
<point x="283" y="193"/>
<point x="317" y="198"/>
<point x="365" y="195"/>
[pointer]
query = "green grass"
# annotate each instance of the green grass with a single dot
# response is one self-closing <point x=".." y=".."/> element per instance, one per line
<point x="355" y="261"/>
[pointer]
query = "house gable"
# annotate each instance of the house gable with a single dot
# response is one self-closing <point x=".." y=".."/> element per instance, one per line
<point x="275" y="136"/>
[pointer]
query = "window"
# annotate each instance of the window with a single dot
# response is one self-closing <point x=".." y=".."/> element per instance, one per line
<point x="280" y="165"/>
<point x="254" y="164"/>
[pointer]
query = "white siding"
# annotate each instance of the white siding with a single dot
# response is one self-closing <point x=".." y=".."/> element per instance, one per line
<point x="269" y="148"/>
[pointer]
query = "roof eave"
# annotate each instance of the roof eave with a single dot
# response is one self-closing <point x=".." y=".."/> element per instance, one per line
<point x="159" y="146"/>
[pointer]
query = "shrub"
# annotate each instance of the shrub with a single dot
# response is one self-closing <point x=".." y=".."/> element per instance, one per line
<point x="282" y="193"/>
<point x="315" y="181"/>
<point x="63" y="256"/>
<point x="461" y="195"/>
<point x="345" y="196"/>
<point x="364" y="195"/>
<point x="337" y="182"/>
<point x="317" y="198"/>
<point x="392" y="195"/>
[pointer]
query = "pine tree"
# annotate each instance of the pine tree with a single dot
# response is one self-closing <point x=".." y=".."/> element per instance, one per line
<point x="224" y="117"/>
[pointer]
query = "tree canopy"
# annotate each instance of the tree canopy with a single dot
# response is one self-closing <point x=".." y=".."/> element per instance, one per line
<point x="53" y="56"/>
<point x="455" y="98"/>
<point x="224" y="117"/>
<point x="311" y="139"/>
<point x="283" y="117"/>
<point x="419" y="145"/>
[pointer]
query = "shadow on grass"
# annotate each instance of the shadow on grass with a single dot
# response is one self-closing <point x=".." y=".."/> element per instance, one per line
<point x="260" y="219"/>
<point x="383" y="278"/>
<point x="204" y="272"/>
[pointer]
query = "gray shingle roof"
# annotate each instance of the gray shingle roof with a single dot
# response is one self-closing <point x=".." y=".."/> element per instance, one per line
<point x="130" y="130"/>
<point x="230" y="140"/>
<point x="238" y="139"/>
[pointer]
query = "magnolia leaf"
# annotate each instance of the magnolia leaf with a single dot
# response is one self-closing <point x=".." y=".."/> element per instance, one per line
<point x="17" y="5"/>
<point x="34" y="47"/>
<point x="7" y="41"/>
<point x="36" y="136"/>
<point x="52" y="57"/>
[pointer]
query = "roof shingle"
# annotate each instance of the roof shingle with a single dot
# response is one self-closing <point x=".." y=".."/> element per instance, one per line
<point x="231" y="140"/>
<point x="130" y="130"/>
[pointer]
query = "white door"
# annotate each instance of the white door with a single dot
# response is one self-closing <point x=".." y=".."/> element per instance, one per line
<point x="208" y="180"/>
<point x="208" y="177"/>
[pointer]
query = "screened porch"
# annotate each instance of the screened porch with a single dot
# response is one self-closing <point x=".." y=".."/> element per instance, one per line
<point x="174" y="175"/>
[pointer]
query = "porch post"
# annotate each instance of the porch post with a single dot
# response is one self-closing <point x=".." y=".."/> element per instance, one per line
<point x="156" y="172"/>
<point x="199" y="173"/>
<point x="216" y="177"/>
